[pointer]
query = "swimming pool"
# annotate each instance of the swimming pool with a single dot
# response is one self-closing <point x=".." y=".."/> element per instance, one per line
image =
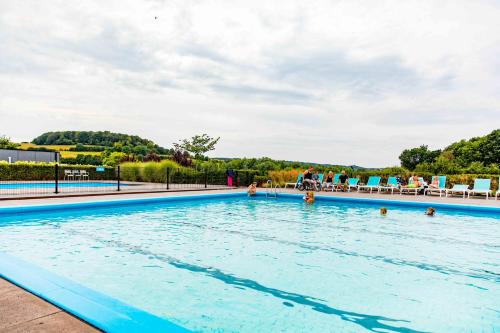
<point x="52" y="184"/>
<point x="234" y="264"/>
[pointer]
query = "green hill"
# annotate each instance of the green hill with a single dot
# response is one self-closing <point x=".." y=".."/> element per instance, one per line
<point x="96" y="139"/>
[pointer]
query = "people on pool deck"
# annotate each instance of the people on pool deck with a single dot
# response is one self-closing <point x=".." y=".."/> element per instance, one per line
<point x="307" y="177"/>
<point x="434" y="183"/>
<point x="430" y="211"/>
<point x="315" y="179"/>
<point x="415" y="184"/>
<point x="383" y="211"/>
<point x="252" y="189"/>
<point x="309" y="197"/>
<point x="342" y="182"/>
<point x="329" y="180"/>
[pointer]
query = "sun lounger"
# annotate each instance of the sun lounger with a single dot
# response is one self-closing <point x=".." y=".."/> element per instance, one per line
<point x="68" y="174"/>
<point x="458" y="188"/>
<point x="297" y="182"/>
<point x="481" y="186"/>
<point x="442" y="186"/>
<point x="335" y="181"/>
<point x="392" y="184"/>
<point x="415" y="190"/>
<point x="352" y="183"/>
<point x="372" y="184"/>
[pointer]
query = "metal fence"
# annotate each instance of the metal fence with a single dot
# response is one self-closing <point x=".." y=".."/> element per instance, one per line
<point x="69" y="180"/>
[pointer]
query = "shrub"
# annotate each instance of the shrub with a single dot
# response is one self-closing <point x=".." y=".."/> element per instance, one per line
<point x="130" y="171"/>
<point x="29" y="171"/>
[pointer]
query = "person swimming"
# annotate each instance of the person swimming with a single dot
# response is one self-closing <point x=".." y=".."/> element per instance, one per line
<point x="252" y="189"/>
<point x="309" y="197"/>
<point x="383" y="211"/>
<point x="430" y="211"/>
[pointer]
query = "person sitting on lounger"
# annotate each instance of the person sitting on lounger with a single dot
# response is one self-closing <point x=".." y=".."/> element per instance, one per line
<point x="315" y="179"/>
<point x="307" y="178"/>
<point x="415" y="183"/>
<point x="329" y="180"/>
<point x="252" y="189"/>
<point x="342" y="182"/>
<point x="434" y="183"/>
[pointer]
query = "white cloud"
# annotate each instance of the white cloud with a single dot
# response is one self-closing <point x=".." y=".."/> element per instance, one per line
<point x="351" y="82"/>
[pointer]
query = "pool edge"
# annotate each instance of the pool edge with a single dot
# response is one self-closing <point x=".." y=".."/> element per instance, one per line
<point x="99" y="310"/>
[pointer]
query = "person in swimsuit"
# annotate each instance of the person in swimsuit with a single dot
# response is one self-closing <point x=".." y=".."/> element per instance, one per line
<point x="252" y="189"/>
<point x="309" y="197"/>
<point x="415" y="184"/>
<point x="435" y="183"/>
<point x="430" y="211"/>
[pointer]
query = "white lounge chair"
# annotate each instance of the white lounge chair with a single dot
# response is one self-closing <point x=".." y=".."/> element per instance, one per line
<point x="68" y="175"/>
<point x="458" y="188"/>
<point x="84" y="174"/>
<point x="481" y="186"/>
<point x="76" y="175"/>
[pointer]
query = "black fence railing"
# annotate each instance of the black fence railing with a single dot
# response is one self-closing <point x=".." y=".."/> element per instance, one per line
<point x="60" y="179"/>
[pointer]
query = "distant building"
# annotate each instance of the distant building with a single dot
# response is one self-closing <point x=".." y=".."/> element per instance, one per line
<point x="14" y="155"/>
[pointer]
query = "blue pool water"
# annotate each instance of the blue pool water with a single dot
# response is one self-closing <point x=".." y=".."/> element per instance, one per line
<point x="267" y="265"/>
<point x="52" y="184"/>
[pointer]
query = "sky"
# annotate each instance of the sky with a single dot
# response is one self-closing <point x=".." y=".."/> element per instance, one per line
<point x="341" y="82"/>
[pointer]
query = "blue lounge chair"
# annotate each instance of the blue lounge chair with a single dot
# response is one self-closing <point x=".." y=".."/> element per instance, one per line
<point x="481" y="186"/>
<point x="352" y="183"/>
<point x="335" y="181"/>
<point x="441" y="186"/>
<point x="297" y="182"/>
<point x="458" y="188"/>
<point x="392" y="184"/>
<point x="373" y="183"/>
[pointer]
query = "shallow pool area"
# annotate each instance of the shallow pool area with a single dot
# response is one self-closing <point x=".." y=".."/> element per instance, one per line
<point x="237" y="264"/>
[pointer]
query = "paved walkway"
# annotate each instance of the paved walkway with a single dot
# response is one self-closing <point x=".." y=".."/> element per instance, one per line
<point x="22" y="312"/>
<point x="420" y="198"/>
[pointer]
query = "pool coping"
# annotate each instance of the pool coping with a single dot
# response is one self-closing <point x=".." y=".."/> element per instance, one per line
<point x="111" y="315"/>
<point x="97" y="309"/>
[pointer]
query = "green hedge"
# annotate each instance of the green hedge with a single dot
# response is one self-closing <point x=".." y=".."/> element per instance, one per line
<point x="30" y="171"/>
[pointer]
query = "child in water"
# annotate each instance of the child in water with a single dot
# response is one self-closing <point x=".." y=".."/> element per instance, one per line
<point x="252" y="189"/>
<point x="309" y="197"/>
<point x="430" y="211"/>
<point x="383" y="211"/>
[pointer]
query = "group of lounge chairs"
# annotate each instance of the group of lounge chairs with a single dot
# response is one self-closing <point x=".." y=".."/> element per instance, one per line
<point x="481" y="186"/>
<point x="76" y="175"/>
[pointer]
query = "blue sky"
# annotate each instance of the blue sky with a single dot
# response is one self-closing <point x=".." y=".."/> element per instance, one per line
<point x="347" y="82"/>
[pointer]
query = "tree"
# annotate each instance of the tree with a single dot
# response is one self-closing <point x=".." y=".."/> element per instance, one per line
<point x="410" y="158"/>
<point x="198" y="145"/>
<point x="114" y="158"/>
<point x="5" y="143"/>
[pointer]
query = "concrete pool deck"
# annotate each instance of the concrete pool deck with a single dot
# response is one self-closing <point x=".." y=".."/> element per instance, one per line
<point x="21" y="311"/>
<point x="480" y="201"/>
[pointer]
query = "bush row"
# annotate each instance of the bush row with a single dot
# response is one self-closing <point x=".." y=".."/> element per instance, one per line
<point x="29" y="171"/>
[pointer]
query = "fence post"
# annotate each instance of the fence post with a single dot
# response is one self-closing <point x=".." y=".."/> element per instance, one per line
<point x="206" y="178"/>
<point x="118" y="177"/>
<point x="56" y="178"/>
<point x="168" y="178"/>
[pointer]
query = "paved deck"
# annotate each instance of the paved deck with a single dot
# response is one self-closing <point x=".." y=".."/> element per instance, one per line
<point x="23" y="312"/>
<point x="406" y="197"/>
